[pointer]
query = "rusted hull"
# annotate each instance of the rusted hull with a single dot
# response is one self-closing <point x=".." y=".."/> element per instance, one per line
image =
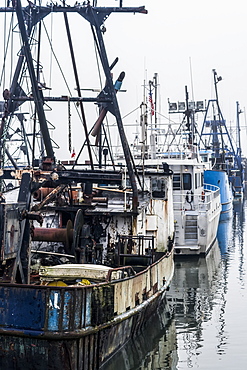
<point x="85" y="353"/>
<point x="75" y="328"/>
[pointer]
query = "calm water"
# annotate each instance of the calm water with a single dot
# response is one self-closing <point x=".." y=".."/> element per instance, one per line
<point x="207" y="328"/>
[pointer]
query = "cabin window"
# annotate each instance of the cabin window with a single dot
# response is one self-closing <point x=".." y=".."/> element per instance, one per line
<point x="186" y="182"/>
<point x="176" y="182"/>
<point x="158" y="188"/>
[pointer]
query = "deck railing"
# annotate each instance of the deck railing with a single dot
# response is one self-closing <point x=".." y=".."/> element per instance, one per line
<point x="131" y="247"/>
<point x="186" y="200"/>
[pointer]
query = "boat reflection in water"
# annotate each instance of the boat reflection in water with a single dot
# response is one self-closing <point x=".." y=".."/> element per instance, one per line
<point x="153" y="348"/>
<point x="191" y="297"/>
<point x="229" y="228"/>
<point x="238" y="222"/>
<point x="223" y="235"/>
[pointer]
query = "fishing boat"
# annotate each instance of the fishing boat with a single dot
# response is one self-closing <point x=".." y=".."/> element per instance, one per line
<point x="217" y="144"/>
<point x="197" y="205"/>
<point x="86" y="247"/>
<point x="196" y="202"/>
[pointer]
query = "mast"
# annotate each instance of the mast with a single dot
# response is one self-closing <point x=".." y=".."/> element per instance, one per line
<point x="28" y="18"/>
<point x="144" y="125"/>
<point x="35" y="90"/>
<point x="155" y="84"/>
<point x="216" y="80"/>
<point x="188" y="124"/>
<point x="218" y="131"/>
<point x="238" y="156"/>
<point x="188" y="113"/>
<point x="238" y="136"/>
<point x="153" y="131"/>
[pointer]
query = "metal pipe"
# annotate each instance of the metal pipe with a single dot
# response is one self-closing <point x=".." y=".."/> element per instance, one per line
<point x="42" y="234"/>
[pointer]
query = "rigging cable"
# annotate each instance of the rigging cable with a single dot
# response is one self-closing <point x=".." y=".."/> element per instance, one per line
<point x="107" y="128"/>
<point x="69" y="124"/>
<point x="60" y="69"/>
<point x="6" y="46"/>
<point x="78" y="88"/>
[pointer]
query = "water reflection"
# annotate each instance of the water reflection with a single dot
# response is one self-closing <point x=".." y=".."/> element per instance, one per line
<point x="223" y="235"/>
<point x="207" y="300"/>
<point x="153" y="348"/>
<point x="192" y="295"/>
<point x="238" y="235"/>
<point x="231" y="228"/>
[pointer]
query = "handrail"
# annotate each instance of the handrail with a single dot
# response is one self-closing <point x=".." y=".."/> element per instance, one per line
<point x="211" y="187"/>
<point x="136" y="246"/>
<point x="123" y="268"/>
<point x="196" y="202"/>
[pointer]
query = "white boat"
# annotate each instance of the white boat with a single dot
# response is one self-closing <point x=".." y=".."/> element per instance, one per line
<point x="196" y="204"/>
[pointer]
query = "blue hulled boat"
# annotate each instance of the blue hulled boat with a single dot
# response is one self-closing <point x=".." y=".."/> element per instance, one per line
<point x="220" y="179"/>
<point x="219" y="149"/>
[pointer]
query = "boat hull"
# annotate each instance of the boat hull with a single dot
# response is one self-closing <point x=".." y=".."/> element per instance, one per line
<point x="196" y="229"/>
<point x="87" y="352"/>
<point x="62" y="328"/>
<point x="220" y="179"/>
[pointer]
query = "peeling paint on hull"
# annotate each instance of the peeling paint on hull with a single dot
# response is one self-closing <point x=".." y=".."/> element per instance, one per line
<point x="86" y="353"/>
<point x="61" y="329"/>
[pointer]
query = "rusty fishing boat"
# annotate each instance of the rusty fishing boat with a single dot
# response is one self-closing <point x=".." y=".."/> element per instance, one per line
<point x="86" y="247"/>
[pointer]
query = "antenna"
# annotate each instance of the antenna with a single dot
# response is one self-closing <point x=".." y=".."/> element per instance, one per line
<point x="191" y="81"/>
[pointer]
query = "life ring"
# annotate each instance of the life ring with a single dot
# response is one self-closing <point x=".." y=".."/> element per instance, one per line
<point x="189" y="196"/>
<point x="203" y="196"/>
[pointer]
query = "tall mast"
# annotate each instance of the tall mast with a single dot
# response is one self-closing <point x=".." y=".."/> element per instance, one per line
<point x="35" y="90"/>
<point x="152" y="111"/>
<point x="238" y="136"/>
